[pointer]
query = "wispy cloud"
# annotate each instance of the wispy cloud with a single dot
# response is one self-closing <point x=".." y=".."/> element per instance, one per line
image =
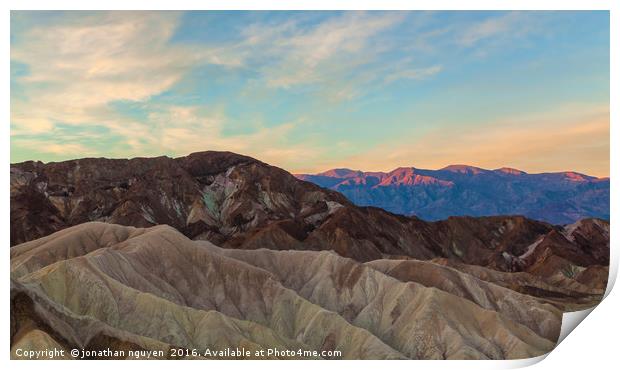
<point x="341" y="56"/>
<point x="183" y="130"/>
<point x="77" y="67"/>
<point x="73" y="150"/>
<point x="499" y="25"/>
<point x="317" y="54"/>
<point x="412" y="74"/>
<point x="502" y="31"/>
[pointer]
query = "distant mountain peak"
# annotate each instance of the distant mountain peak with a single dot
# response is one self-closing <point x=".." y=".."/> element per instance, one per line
<point x="575" y="176"/>
<point x="409" y="176"/>
<point x="510" y="171"/>
<point x="402" y="171"/>
<point x="463" y="168"/>
<point x="341" y="173"/>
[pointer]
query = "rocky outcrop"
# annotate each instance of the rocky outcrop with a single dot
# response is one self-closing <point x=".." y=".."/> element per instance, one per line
<point x="209" y="195"/>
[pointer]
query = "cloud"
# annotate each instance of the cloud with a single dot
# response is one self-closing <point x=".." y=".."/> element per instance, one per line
<point x="45" y="146"/>
<point x="77" y="66"/>
<point x="488" y="28"/>
<point x="183" y="130"/>
<point x="80" y="63"/>
<point x="316" y="54"/>
<point x="341" y="56"/>
<point x="501" y="30"/>
<point x="413" y="74"/>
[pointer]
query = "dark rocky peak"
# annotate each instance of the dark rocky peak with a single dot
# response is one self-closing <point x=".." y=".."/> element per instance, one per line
<point x="212" y="162"/>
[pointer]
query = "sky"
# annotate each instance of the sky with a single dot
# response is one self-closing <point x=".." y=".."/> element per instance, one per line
<point x="309" y="91"/>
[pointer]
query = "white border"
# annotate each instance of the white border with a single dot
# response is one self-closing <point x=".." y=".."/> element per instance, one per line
<point x="574" y="351"/>
<point x="319" y="4"/>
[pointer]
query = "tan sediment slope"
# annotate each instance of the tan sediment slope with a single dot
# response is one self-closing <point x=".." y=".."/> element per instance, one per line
<point x="96" y="285"/>
<point x="393" y="309"/>
<point x="492" y="289"/>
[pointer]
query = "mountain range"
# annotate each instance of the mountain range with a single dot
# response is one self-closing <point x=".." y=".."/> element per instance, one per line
<point x="219" y="250"/>
<point x="460" y="190"/>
